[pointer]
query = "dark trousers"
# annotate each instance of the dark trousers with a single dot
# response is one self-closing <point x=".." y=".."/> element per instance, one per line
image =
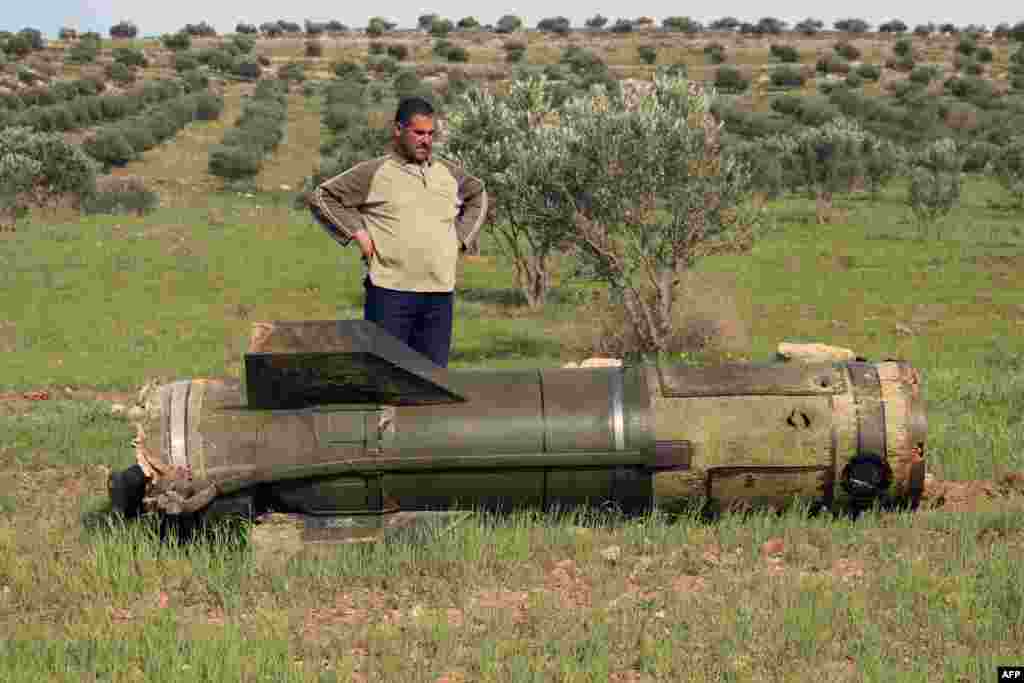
<point x="420" y="320"/>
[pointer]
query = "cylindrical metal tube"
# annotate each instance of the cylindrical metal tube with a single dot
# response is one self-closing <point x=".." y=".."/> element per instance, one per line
<point x="631" y="436"/>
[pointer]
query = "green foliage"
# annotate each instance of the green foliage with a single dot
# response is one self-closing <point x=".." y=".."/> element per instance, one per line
<point x="785" y="53"/>
<point x="869" y="72"/>
<point x="984" y="54"/>
<point x="935" y="181"/>
<point x="17" y="46"/>
<point x="244" y="43"/>
<point x="632" y="176"/>
<point x="407" y="83"/>
<point x="217" y="58"/>
<point x="130" y="57"/>
<point x="83" y="52"/>
<point x="925" y="74"/>
<point x="176" y="41"/>
<point x="903" y="47"/>
<point x="882" y="162"/>
<point x="292" y="71"/>
<point x="258" y="130"/>
<point x="787" y="76"/>
<point x="764" y="159"/>
<point x="399" y="51"/>
<point x="119" y="73"/>
<point x="847" y="51"/>
<point x="110" y="147"/>
<point x="350" y="71"/>
<point x="904" y="63"/>
<point x="515" y="51"/>
<point x="970" y="88"/>
<point x="201" y="30"/>
<point x="559" y="25"/>
<point x="63" y="168"/>
<point x="441" y="47"/>
<point x="457" y="53"/>
<point x="382" y="64"/>
<point x="978" y="154"/>
<point x="1007" y="165"/>
<point x="827" y="159"/>
<point x="809" y="27"/>
<point x="854" y="80"/>
<point x="622" y="26"/>
<point x="468" y="24"/>
<point x="729" y="79"/>
<point x="377" y="26"/>
<point x="185" y="61"/>
<point x="680" y="24"/>
<point x="967" y="46"/>
<point x="195" y="80"/>
<point x="439" y="28"/>
<point x="832" y="64"/>
<point x="508" y="23"/>
<point x="648" y="54"/>
<point x="715" y="52"/>
<point x="208" y="107"/>
<point x="235" y="163"/>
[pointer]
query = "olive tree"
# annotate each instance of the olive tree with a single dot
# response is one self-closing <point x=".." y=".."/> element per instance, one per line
<point x="636" y="184"/>
<point x="508" y="142"/>
<point x="1008" y="167"/>
<point x="935" y="182"/>
<point x="825" y="160"/>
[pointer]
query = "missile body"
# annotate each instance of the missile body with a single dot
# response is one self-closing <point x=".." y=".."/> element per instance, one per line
<point x="337" y="418"/>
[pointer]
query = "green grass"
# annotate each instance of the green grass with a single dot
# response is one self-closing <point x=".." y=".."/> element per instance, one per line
<point x="108" y="302"/>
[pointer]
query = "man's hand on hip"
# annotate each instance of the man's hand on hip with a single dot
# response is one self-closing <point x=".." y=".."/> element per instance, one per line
<point x="365" y="243"/>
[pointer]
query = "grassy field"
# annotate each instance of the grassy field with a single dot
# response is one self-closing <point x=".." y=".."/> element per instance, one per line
<point x="92" y="308"/>
<point x="102" y="304"/>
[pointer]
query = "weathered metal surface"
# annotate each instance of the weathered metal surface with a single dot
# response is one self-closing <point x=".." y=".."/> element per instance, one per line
<point x="729" y="486"/>
<point x="870" y="409"/>
<point x="794" y="379"/>
<point x="625" y="436"/>
<point x="298" y="364"/>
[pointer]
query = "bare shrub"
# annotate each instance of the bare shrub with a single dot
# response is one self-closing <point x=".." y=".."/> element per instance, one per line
<point x="706" y="318"/>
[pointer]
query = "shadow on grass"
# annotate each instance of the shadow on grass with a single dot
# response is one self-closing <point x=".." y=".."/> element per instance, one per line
<point x="105" y="523"/>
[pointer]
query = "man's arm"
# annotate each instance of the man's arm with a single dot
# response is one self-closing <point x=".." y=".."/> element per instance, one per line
<point x="474" y="205"/>
<point x="335" y="204"/>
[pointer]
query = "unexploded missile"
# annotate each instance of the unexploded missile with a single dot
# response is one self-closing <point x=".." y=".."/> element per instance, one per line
<point x="338" y="420"/>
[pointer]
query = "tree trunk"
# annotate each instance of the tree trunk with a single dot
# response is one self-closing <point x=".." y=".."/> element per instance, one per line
<point x="533" y="279"/>
<point x="824" y="207"/>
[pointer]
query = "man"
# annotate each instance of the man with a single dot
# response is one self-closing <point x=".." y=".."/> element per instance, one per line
<point x="411" y="214"/>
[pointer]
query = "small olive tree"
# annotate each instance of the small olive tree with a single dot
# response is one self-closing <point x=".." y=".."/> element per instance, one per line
<point x="935" y="181"/>
<point x="1008" y="167"/>
<point x="508" y="142"/>
<point x="826" y="160"/>
<point x="652" y="195"/>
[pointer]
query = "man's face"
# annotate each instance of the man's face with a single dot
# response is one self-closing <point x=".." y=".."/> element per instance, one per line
<point x="416" y="138"/>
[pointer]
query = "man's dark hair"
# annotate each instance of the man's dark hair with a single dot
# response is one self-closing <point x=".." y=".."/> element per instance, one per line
<point x="409" y="107"/>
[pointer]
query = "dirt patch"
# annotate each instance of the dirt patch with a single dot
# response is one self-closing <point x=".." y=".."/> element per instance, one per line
<point x="969" y="495"/>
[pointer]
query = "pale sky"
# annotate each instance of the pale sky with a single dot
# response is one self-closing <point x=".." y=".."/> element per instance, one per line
<point x="154" y="18"/>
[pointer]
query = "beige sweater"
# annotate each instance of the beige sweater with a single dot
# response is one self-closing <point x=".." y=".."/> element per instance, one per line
<point x="418" y="216"/>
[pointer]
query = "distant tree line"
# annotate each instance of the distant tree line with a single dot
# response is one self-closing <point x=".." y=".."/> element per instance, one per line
<point x="439" y="26"/>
